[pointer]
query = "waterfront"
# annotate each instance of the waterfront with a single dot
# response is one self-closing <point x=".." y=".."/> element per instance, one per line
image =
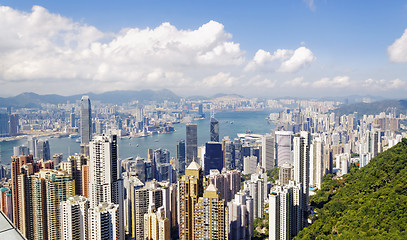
<point x="231" y="123"/>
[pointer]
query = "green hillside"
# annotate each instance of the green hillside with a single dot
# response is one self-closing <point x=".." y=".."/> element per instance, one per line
<point x="370" y="203"/>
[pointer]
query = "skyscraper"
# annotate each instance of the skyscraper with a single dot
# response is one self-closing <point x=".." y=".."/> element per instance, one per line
<point x="301" y="165"/>
<point x="86" y="124"/>
<point x="213" y="157"/>
<point x="104" y="222"/>
<point x="103" y="171"/>
<point x="74" y="218"/>
<point x="316" y="163"/>
<point x="191" y="144"/>
<point x="190" y="188"/>
<point x="214" y="130"/>
<point x="267" y="157"/>
<point x="211" y="216"/>
<point x="283" y="147"/>
<point x="13" y="124"/>
<point x="156" y="225"/>
<point x="181" y="156"/>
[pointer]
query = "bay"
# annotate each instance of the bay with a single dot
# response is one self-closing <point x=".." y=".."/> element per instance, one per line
<point x="230" y="124"/>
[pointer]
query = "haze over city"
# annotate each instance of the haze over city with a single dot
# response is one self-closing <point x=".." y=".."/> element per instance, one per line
<point x="262" y="49"/>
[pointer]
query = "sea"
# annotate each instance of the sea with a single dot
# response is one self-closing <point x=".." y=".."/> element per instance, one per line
<point x="230" y="124"/>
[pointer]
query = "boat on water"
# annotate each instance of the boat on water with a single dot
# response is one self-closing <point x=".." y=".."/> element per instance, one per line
<point x="74" y="135"/>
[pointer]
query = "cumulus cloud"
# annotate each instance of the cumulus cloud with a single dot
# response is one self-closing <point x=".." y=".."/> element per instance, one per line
<point x="39" y="46"/>
<point x="259" y="81"/>
<point x="336" y="82"/>
<point x="282" y="60"/>
<point x="296" y="82"/>
<point x="219" y="80"/>
<point x="384" y="85"/>
<point x="398" y="50"/>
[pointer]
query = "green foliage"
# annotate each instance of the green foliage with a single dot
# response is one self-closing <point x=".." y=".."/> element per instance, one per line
<point x="370" y="203"/>
<point x="272" y="175"/>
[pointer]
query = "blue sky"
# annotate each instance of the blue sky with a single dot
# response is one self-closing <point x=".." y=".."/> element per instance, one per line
<point x="345" y="47"/>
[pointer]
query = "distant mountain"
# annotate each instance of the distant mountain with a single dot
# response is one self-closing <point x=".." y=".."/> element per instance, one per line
<point x="31" y="100"/>
<point x="367" y="203"/>
<point x="218" y="95"/>
<point x="373" y="108"/>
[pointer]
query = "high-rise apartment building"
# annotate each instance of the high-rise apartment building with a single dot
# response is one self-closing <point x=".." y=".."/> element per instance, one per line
<point x="50" y="188"/>
<point x="156" y="225"/>
<point x="13" y="124"/>
<point x="73" y="166"/>
<point x="16" y="163"/>
<point x="241" y="220"/>
<point x="301" y="148"/>
<point x="104" y="222"/>
<point x="74" y="218"/>
<point x="191" y="144"/>
<point x="190" y="188"/>
<point x="86" y="124"/>
<point x="211" y="216"/>
<point x="214" y="130"/>
<point x="316" y="163"/>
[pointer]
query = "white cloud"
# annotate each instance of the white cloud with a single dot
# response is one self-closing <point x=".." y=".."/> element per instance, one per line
<point x="260" y="82"/>
<point x="282" y="60"/>
<point x="310" y="4"/>
<point x="384" y="85"/>
<point x="296" y="82"/>
<point x="219" y="80"/>
<point x="40" y="46"/>
<point x="398" y="50"/>
<point x="336" y="82"/>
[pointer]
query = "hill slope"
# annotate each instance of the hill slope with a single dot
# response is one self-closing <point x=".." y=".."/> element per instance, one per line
<point x="370" y="203"/>
<point x="373" y="108"/>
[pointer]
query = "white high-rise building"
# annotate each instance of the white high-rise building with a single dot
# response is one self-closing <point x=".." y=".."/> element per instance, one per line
<point x="104" y="183"/>
<point x="250" y="164"/>
<point x="285" y="213"/>
<point x="241" y="220"/>
<point x="104" y="222"/>
<point x="74" y="218"/>
<point x="316" y="163"/>
<point x="301" y="151"/>
<point x="267" y="152"/>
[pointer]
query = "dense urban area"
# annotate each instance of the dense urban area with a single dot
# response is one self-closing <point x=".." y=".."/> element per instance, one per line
<point x="248" y="186"/>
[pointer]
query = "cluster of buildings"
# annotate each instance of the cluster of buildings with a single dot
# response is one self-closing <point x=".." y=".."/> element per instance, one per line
<point x="198" y="194"/>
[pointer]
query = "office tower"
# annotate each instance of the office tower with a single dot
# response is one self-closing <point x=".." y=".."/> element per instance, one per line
<point x="73" y="166"/>
<point x="238" y="154"/>
<point x="228" y="153"/>
<point x="210" y="216"/>
<point x="74" y="218"/>
<point x="20" y="150"/>
<point x="181" y="157"/>
<point x="285" y="213"/>
<point x="241" y="221"/>
<point x="191" y="144"/>
<point x="285" y="174"/>
<point x="190" y="188"/>
<point x="13" y="125"/>
<point x="103" y="170"/>
<point x="267" y="148"/>
<point x="4" y="125"/>
<point x="99" y="127"/>
<point x="301" y="148"/>
<point x="72" y="120"/>
<point x="42" y="150"/>
<point x="16" y="163"/>
<point x="31" y="145"/>
<point x="86" y="124"/>
<point x="213" y="157"/>
<point x="156" y="225"/>
<point x="250" y="165"/>
<point x="283" y="147"/>
<point x="200" y="109"/>
<point x="214" y="130"/>
<point x="104" y="222"/>
<point x="50" y="188"/>
<point x="316" y="163"/>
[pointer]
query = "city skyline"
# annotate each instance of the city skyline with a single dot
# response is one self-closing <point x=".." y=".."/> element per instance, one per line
<point x="269" y="49"/>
